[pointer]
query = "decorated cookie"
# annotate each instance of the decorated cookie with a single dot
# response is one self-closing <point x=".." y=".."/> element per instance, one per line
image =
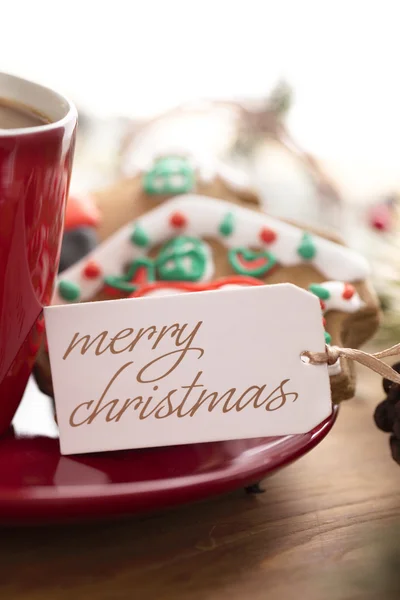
<point x="163" y="178"/>
<point x="193" y="243"/>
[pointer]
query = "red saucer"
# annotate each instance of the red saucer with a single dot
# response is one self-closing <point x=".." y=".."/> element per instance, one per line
<point x="37" y="484"/>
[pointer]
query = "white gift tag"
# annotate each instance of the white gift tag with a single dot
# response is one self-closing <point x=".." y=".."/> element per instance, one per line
<point x="187" y="368"/>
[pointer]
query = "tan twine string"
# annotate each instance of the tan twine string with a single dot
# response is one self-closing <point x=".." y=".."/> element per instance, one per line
<point x="371" y="361"/>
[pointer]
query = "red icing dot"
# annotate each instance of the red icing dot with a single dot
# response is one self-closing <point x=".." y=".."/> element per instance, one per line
<point x="111" y="292"/>
<point x="91" y="270"/>
<point x="324" y="322"/>
<point x="348" y="291"/>
<point x="268" y="236"/>
<point x="177" y="220"/>
<point x="322" y="303"/>
<point x="381" y="217"/>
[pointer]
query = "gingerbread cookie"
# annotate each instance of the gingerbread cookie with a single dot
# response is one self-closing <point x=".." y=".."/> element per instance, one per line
<point x="164" y="178"/>
<point x="192" y="243"/>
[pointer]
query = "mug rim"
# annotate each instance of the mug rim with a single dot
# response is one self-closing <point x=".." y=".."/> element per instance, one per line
<point x="71" y="114"/>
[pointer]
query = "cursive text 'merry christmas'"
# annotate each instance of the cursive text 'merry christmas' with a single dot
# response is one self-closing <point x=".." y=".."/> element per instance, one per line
<point x="179" y="402"/>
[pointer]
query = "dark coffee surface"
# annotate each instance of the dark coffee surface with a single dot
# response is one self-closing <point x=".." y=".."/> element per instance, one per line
<point x="14" y="115"/>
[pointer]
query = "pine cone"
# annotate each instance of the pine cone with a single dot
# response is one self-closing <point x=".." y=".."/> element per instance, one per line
<point x="387" y="384"/>
<point x="384" y="416"/>
<point x="387" y="414"/>
<point x="395" y="448"/>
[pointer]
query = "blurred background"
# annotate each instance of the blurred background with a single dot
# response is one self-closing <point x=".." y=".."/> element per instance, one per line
<point x="326" y="71"/>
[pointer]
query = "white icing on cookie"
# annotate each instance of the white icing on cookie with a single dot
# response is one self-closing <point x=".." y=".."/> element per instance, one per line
<point x="342" y="297"/>
<point x="203" y="217"/>
<point x="337" y="300"/>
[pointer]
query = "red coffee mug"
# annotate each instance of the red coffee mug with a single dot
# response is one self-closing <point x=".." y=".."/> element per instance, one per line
<point x="35" y="169"/>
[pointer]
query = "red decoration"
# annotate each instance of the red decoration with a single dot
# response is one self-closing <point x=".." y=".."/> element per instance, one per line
<point x="258" y="262"/>
<point x="141" y="276"/>
<point x="324" y="321"/>
<point x="348" y="291"/>
<point x="184" y="286"/>
<point x="111" y="292"/>
<point x="268" y="236"/>
<point x="177" y="220"/>
<point x="81" y="211"/>
<point x="381" y="217"/>
<point x="322" y="303"/>
<point x="91" y="270"/>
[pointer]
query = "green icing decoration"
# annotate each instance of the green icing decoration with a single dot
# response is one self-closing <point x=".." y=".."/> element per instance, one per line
<point x="327" y="338"/>
<point x="139" y="237"/>
<point x="249" y="262"/>
<point x="119" y="283"/>
<point x="126" y="283"/>
<point x="227" y="225"/>
<point x="182" y="259"/>
<point x="319" y="291"/>
<point x="307" y="249"/>
<point x="68" y="290"/>
<point x="169" y="175"/>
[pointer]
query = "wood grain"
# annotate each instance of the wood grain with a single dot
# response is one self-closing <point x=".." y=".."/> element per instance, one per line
<point x="327" y="527"/>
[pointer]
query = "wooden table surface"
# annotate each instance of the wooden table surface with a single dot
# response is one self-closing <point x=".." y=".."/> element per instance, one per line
<point x="327" y="527"/>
